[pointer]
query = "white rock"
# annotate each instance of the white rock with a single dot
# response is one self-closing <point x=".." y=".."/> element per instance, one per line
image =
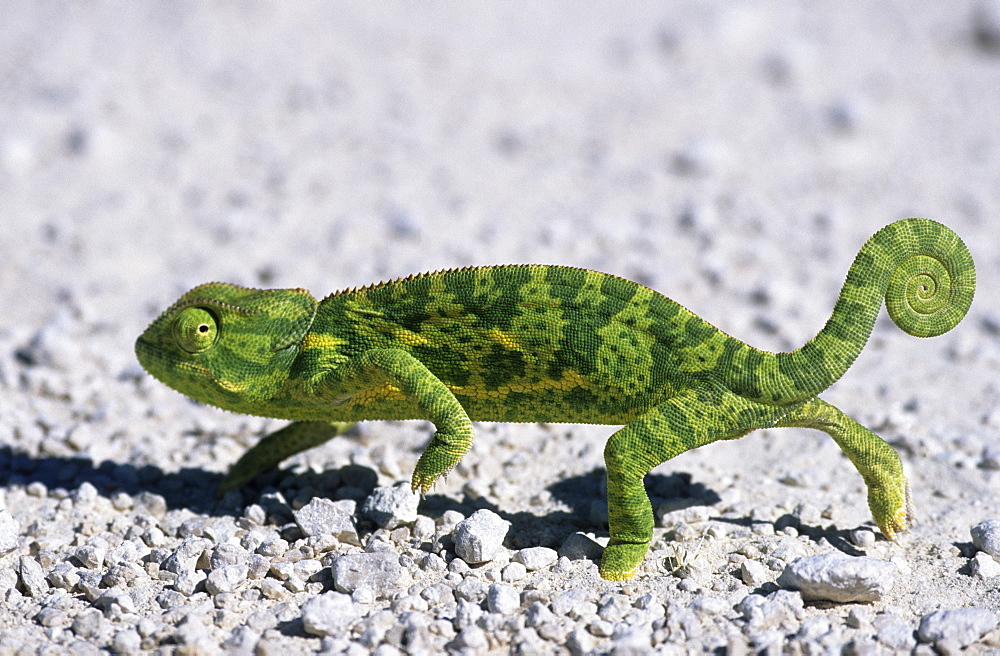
<point x="91" y="555"/>
<point x="390" y="507"/>
<point x="328" y="614"/>
<point x="580" y="546"/>
<point x="223" y="555"/>
<point x="763" y="613"/>
<point x="962" y="626"/>
<point x="566" y="602"/>
<point x="225" y="579"/>
<point x="479" y="538"/>
<point x="534" y="558"/>
<point x="897" y="636"/>
<point x="471" y="589"/>
<point x="632" y="640"/>
<point x="324" y="517"/>
<point x="128" y="641"/>
<point x="701" y="157"/>
<point x="581" y="641"/>
<point x="64" y="576"/>
<point x="991" y="458"/>
<point x="753" y="573"/>
<point x="986" y="25"/>
<point x="984" y="566"/>
<point x="986" y="536"/>
<point x="472" y="638"/>
<point x="514" y="572"/>
<point x="187" y="581"/>
<point x="115" y="597"/>
<point x="438" y="594"/>
<point x="8" y="532"/>
<point x="503" y="599"/>
<point x="376" y="571"/>
<point x="710" y="605"/>
<point x="838" y="577"/>
<point x="32" y="577"/>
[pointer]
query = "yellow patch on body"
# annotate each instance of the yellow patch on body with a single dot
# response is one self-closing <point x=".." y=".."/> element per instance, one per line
<point x="409" y="337"/>
<point x="321" y="341"/>
<point x="236" y="387"/>
<point x="568" y="381"/>
<point x="383" y="392"/>
<point x="505" y="340"/>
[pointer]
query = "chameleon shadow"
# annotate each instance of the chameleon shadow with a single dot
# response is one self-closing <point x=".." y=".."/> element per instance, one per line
<point x="193" y="489"/>
<point x="586" y="493"/>
<point x="185" y="488"/>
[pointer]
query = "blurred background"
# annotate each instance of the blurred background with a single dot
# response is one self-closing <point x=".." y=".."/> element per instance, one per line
<point x="733" y="155"/>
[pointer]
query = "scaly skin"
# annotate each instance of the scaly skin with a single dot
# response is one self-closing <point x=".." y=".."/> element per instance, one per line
<point x="554" y="344"/>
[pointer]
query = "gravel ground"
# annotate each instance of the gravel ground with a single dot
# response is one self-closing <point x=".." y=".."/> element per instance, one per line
<point x="732" y="155"/>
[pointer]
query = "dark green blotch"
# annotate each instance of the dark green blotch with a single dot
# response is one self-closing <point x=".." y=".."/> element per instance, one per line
<point x="842" y="323"/>
<point x="802" y="377"/>
<point x="619" y="288"/>
<point x="697" y="332"/>
<point x="749" y="380"/>
<point x="860" y="273"/>
<point x="444" y="362"/>
<point x="501" y="366"/>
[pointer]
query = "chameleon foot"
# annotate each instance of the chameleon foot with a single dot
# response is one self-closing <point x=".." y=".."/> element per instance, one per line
<point x="621" y="559"/>
<point x="892" y="511"/>
<point x="440" y="457"/>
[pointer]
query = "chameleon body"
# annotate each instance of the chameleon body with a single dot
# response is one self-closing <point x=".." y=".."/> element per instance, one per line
<point x="526" y="343"/>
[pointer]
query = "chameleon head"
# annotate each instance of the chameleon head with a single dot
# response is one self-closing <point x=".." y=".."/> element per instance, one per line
<point x="225" y="345"/>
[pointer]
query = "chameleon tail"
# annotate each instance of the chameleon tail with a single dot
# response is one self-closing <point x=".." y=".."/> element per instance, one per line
<point x="927" y="278"/>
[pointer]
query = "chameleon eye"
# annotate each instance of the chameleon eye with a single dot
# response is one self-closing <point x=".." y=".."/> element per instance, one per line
<point x="195" y="330"/>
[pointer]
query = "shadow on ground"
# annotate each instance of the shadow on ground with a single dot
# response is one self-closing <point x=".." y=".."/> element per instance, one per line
<point x="581" y="497"/>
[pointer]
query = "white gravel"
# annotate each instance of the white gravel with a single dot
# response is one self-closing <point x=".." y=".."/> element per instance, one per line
<point x="732" y="155"/>
<point x="836" y="577"/>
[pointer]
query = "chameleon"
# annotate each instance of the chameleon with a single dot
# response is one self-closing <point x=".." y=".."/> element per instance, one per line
<point x="539" y="343"/>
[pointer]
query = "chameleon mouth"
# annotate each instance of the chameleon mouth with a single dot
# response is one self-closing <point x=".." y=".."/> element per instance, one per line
<point x="157" y="361"/>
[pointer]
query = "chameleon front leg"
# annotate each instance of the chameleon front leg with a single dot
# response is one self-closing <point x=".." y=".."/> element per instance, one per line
<point x="879" y="465"/>
<point x="272" y="449"/>
<point x="693" y="419"/>
<point x="388" y="371"/>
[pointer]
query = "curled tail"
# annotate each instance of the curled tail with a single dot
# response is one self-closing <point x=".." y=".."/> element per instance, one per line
<point x="926" y="276"/>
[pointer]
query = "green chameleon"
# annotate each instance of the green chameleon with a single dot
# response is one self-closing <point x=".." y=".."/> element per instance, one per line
<point x="527" y="343"/>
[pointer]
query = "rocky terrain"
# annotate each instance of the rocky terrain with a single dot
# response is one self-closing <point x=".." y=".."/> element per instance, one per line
<point x="733" y="156"/>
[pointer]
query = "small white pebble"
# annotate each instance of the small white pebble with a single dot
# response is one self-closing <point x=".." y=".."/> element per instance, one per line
<point x="837" y="577"/>
<point x="328" y="614"/>
<point x="754" y="573"/>
<point x="479" y="538"/>
<point x="535" y="558"/>
<point x="390" y="507"/>
<point x="514" y="572"/>
<point x="986" y="536"/>
<point x="503" y="599"/>
<point x="961" y="626"/>
<point x="225" y="579"/>
<point x="984" y="566"/>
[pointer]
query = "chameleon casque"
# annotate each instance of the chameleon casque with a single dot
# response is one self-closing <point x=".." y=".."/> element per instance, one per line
<point x="526" y="343"/>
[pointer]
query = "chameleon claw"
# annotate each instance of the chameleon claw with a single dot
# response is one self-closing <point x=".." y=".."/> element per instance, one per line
<point x="895" y="514"/>
<point x="621" y="560"/>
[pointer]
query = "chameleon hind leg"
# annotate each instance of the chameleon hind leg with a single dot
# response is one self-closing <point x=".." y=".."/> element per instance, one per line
<point x="876" y="461"/>
<point x="272" y="449"/>
<point x="695" y="418"/>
